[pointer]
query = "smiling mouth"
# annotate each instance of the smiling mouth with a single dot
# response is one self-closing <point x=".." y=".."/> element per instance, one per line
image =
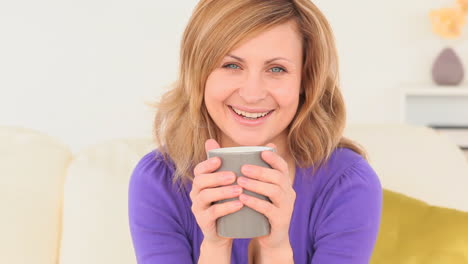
<point x="250" y="116"/>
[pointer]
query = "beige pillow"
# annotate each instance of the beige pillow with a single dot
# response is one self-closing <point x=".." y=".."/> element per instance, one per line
<point x="32" y="169"/>
<point x="95" y="217"/>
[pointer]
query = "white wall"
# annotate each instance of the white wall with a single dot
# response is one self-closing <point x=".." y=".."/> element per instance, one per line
<point x="82" y="70"/>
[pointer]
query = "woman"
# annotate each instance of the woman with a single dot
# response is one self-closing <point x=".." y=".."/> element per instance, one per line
<point x="255" y="73"/>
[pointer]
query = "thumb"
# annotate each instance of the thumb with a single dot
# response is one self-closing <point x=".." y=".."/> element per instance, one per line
<point x="271" y="145"/>
<point x="211" y="144"/>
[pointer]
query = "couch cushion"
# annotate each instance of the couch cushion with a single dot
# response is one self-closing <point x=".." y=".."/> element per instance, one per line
<point x="32" y="169"/>
<point x="95" y="218"/>
<point x="416" y="161"/>
<point x="412" y="231"/>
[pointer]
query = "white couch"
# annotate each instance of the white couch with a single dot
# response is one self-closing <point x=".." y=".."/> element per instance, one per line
<point x="62" y="208"/>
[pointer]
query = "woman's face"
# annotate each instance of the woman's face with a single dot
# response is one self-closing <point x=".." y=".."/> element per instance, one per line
<point x="253" y="95"/>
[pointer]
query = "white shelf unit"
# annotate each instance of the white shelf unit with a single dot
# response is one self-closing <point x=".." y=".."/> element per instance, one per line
<point x="439" y="91"/>
<point x="434" y="105"/>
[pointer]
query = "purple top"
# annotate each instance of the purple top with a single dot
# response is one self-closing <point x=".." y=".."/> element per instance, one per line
<point x="336" y="215"/>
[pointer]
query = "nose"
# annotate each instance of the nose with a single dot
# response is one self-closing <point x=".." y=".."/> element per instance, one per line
<point x="253" y="89"/>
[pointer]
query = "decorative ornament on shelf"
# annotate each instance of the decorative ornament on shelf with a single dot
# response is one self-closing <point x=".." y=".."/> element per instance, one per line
<point x="448" y="23"/>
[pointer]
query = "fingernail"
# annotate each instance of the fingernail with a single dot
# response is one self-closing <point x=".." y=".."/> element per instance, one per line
<point x="243" y="197"/>
<point x="228" y="176"/>
<point x="237" y="190"/>
<point x="242" y="180"/>
<point x="214" y="160"/>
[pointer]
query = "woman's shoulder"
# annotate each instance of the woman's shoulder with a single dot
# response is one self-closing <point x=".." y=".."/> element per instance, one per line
<point x="155" y="158"/>
<point x="349" y="203"/>
<point x="345" y="156"/>
<point x="357" y="167"/>
<point x="153" y="169"/>
<point x="346" y="167"/>
<point x="152" y="193"/>
<point x="340" y="160"/>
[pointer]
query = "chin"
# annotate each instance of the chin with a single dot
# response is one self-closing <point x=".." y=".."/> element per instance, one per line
<point x="249" y="142"/>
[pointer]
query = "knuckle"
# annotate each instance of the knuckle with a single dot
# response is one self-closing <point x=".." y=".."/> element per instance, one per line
<point x="276" y="179"/>
<point x="196" y="170"/>
<point x="201" y="218"/>
<point x="214" y="211"/>
<point x="267" y="208"/>
<point x="195" y="185"/>
<point x="294" y="195"/>
<point x="276" y="192"/>
<point x="202" y="167"/>
<point x="195" y="211"/>
<point x="202" y="197"/>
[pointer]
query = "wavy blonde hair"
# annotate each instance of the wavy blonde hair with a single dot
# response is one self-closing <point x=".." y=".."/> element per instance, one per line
<point x="182" y="123"/>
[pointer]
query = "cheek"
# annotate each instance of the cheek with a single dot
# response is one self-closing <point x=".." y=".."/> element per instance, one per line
<point x="216" y="93"/>
<point x="286" y="93"/>
<point x="217" y="87"/>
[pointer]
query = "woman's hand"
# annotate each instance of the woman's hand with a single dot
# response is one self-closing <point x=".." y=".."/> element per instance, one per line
<point x="205" y="190"/>
<point x="276" y="184"/>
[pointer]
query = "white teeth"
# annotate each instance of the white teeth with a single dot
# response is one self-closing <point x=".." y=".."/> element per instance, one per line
<point x="250" y="115"/>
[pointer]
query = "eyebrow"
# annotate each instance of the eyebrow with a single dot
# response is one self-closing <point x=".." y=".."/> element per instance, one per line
<point x="266" y="62"/>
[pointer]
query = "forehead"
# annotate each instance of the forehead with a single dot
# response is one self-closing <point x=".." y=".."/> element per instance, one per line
<point x="283" y="39"/>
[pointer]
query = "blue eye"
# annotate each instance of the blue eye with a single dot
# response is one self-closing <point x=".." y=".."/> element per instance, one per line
<point x="232" y="66"/>
<point x="228" y="66"/>
<point x="277" y="69"/>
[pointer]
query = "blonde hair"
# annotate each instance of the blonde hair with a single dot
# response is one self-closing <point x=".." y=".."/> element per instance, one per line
<point x="182" y="123"/>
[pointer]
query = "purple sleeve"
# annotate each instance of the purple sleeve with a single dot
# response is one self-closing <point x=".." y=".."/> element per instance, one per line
<point x="350" y="218"/>
<point x="157" y="215"/>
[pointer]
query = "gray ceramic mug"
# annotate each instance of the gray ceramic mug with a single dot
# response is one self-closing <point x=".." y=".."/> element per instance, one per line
<point x="245" y="223"/>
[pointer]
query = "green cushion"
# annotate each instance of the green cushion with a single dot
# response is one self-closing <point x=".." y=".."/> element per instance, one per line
<point x="413" y="232"/>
